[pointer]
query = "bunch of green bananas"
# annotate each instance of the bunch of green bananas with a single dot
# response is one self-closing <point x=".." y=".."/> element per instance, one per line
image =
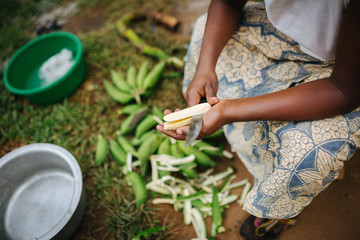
<point x="135" y="84"/>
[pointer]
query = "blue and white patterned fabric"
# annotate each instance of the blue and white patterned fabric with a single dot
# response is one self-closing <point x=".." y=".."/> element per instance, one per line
<point x="291" y="162"/>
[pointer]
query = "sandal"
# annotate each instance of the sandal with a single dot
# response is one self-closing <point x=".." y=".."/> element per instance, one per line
<point x="266" y="230"/>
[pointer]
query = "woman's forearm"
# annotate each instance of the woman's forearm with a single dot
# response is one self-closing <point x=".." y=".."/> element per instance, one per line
<point x="313" y="100"/>
<point x="223" y="19"/>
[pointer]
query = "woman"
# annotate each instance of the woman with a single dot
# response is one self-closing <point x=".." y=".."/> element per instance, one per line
<point x="285" y="85"/>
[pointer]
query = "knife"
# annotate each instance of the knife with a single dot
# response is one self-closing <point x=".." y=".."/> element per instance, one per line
<point x="195" y="127"/>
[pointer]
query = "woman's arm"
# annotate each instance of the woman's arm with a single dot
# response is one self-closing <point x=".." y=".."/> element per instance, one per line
<point x="223" y="19"/>
<point x="322" y="98"/>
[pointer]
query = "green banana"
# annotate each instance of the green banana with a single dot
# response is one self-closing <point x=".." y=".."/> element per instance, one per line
<point x="175" y="151"/>
<point x="101" y="150"/>
<point x="119" y="81"/>
<point x="126" y="145"/>
<point x="154" y="75"/>
<point x="216" y="215"/>
<point x="116" y="94"/>
<point x="137" y="141"/>
<point x="131" y="76"/>
<point x="118" y="153"/>
<point x="131" y="122"/>
<point x="139" y="187"/>
<point x="147" y="148"/>
<point x="147" y="123"/>
<point x="130" y="108"/>
<point x="143" y="70"/>
<point x="125" y="125"/>
<point x="164" y="147"/>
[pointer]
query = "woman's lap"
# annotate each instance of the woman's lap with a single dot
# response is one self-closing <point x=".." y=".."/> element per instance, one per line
<point x="291" y="161"/>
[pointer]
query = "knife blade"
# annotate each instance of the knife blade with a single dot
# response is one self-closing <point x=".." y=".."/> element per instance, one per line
<point x="194" y="129"/>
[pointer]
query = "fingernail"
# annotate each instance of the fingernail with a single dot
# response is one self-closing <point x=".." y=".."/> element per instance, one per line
<point x="179" y="131"/>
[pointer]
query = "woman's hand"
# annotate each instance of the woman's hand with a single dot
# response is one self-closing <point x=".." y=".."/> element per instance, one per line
<point x="214" y="119"/>
<point x="223" y="19"/>
<point x="204" y="84"/>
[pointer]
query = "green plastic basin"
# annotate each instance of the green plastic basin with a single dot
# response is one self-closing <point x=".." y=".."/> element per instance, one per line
<point x="22" y="73"/>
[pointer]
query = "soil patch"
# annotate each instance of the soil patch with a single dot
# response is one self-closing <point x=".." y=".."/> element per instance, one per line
<point x="90" y="19"/>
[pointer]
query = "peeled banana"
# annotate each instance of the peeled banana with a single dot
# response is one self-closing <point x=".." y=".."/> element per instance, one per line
<point x="183" y="117"/>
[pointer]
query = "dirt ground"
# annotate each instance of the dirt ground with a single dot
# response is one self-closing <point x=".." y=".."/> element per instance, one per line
<point x="331" y="215"/>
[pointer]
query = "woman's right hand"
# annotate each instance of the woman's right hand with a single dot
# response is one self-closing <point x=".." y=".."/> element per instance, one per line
<point x="222" y="20"/>
<point x="204" y="84"/>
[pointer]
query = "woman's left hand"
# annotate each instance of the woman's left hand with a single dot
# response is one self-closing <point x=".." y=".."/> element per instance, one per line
<point x="212" y="121"/>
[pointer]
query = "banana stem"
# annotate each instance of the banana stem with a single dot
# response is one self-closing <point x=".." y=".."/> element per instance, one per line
<point x="124" y="30"/>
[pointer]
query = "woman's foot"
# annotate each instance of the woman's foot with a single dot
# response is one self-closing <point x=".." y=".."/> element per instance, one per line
<point x="259" y="228"/>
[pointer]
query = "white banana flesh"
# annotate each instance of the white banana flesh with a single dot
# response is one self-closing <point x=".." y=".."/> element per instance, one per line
<point x="183" y="117"/>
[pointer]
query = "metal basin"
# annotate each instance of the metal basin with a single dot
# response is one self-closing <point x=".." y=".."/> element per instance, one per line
<point x="41" y="193"/>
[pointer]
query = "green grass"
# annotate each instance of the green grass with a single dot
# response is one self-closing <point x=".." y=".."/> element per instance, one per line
<point x="75" y="122"/>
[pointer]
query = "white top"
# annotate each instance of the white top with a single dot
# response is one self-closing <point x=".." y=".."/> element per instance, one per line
<point x="314" y="24"/>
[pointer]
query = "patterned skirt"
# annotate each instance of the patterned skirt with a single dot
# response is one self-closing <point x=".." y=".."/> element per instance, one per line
<point x="292" y="162"/>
